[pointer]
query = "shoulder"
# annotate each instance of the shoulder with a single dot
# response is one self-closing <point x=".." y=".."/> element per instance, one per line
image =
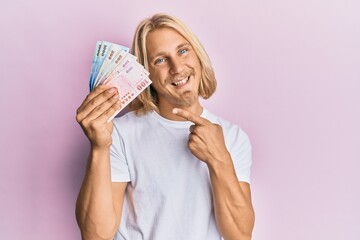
<point x="225" y="124"/>
<point x="232" y="132"/>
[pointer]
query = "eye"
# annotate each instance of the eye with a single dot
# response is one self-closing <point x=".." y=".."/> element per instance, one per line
<point x="159" y="60"/>
<point x="182" y="51"/>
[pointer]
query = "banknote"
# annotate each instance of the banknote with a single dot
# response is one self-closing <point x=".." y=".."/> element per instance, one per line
<point x="116" y="52"/>
<point x="93" y="65"/>
<point x="128" y="90"/>
<point x="100" y="56"/>
<point x="114" y="66"/>
<point x="101" y="53"/>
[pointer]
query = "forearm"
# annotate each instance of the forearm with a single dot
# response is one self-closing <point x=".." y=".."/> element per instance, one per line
<point x="233" y="209"/>
<point x="95" y="212"/>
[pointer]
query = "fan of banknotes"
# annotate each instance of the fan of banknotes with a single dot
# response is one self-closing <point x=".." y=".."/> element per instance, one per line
<point x="114" y="66"/>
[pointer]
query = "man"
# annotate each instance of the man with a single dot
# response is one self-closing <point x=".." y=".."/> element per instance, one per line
<point x="169" y="169"/>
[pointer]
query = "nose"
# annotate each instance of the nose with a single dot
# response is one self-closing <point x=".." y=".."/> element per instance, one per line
<point x="176" y="66"/>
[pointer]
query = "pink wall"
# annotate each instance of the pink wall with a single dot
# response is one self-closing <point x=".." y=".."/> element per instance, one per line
<point x="288" y="73"/>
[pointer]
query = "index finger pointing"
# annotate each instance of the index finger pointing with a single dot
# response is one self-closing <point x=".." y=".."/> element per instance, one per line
<point x="188" y="116"/>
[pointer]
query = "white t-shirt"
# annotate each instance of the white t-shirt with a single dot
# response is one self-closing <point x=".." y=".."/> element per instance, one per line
<point x="169" y="193"/>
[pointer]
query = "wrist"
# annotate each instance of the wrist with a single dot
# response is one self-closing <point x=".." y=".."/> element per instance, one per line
<point x="220" y="163"/>
<point x="99" y="155"/>
<point x="100" y="144"/>
<point x="99" y="150"/>
<point x="219" y="157"/>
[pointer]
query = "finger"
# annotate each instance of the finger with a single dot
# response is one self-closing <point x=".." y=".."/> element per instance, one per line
<point x="104" y="117"/>
<point x="194" y="139"/>
<point x="189" y="116"/>
<point x="98" y="90"/>
<point x="95" y="102"/>
<point x="104" y="108"/>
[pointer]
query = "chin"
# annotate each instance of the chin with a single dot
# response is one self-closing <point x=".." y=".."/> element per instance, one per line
<point x="188" y="100"/>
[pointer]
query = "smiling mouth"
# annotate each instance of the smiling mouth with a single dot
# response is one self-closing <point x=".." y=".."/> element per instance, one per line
<point x="180" y="82"/>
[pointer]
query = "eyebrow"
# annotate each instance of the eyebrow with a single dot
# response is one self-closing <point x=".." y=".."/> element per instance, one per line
<point x="164" y="53"/>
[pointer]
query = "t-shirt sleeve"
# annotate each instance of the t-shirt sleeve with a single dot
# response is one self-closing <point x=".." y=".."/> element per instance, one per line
<point x="119" y="166"/>
<point x="241" y="155"/>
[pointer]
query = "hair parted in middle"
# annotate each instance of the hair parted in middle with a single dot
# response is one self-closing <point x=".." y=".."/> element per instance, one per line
<point x="147" y="100"/>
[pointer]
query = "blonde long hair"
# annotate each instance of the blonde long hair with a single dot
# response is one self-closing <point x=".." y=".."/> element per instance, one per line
<point x="147" y="100"/>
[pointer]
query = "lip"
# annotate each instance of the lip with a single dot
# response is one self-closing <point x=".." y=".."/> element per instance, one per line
<point x="180" y="83"/>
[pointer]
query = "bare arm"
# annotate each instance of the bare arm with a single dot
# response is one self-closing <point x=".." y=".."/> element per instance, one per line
<point x="232" y="200"/>
<point x="99" y="203"/>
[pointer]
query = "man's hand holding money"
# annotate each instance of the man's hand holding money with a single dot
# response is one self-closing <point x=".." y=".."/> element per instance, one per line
<point x="94" y="112"/>
<point x="116" y="79"/>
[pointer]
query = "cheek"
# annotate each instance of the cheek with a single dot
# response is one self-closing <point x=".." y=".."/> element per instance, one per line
<point x="156" y="79"/>
<point x="196" y="66"/>
<point x="195" y="63"/>
<point x="157" y="76"/>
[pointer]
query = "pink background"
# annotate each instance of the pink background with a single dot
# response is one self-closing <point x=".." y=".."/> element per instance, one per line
<point x="288" y="74"/>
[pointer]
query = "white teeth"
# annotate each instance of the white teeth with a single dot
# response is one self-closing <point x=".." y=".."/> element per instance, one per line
<point x="181" y="82"/>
